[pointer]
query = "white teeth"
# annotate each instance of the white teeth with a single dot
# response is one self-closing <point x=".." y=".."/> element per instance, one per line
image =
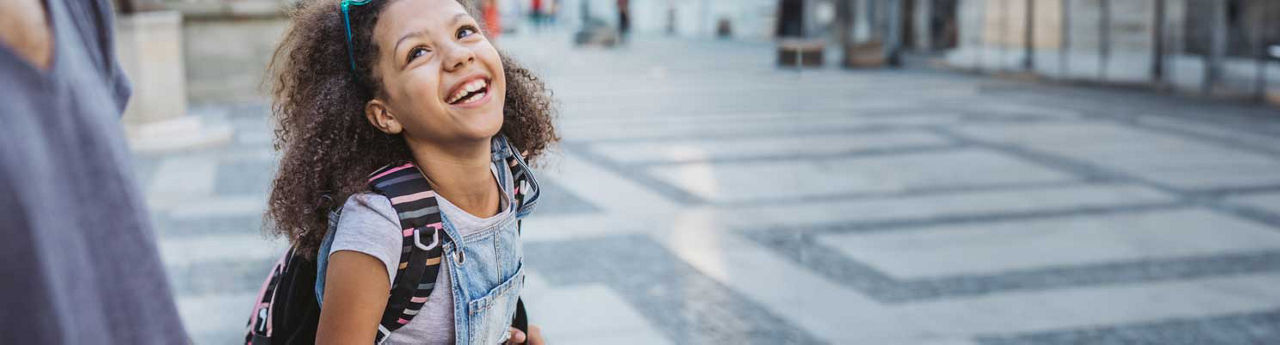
<point x="474" y="97"/>
<point x="468" y="88"/>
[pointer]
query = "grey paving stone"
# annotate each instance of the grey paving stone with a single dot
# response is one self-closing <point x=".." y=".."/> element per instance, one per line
<point x="1252" y="328"/>
<point x="244" y="177"/>
<point x="916" y="170"/>
<point x="168" y="226"/>
<point x="220" y="277"/>
<point x="1016" y="245"/>
<point x="802" y="247"/>
<point x="556" y="200"/>
<point x="1161" y="158"/>
<point x="682" y="303"/>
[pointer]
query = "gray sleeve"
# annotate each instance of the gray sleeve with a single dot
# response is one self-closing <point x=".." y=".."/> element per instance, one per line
<point x="96" y="21"/>
<point x="369" y="225"/>
<point x="117" y="80"/>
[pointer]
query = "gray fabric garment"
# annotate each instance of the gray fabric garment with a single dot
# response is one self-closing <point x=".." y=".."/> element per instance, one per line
<point x="369" y="225"/>
<point x="78" y="263"/>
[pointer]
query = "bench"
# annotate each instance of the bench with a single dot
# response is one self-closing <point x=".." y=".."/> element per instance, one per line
<point x="795" y="52"/>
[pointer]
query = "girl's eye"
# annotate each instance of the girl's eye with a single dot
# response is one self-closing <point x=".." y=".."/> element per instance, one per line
<point x="416" y="52"/>
<point x="467" y="31"/>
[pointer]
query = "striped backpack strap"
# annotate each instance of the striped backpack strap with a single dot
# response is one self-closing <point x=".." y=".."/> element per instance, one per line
<point x="421" y="225"/>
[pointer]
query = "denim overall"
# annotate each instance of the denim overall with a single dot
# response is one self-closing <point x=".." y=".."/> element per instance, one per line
<point x="486" y="267"/>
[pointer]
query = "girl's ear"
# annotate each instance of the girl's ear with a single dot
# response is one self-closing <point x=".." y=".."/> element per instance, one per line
<point x="379" y="116"/>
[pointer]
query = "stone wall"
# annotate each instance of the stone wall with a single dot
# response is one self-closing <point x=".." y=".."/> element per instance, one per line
<point x="226" y="58"/>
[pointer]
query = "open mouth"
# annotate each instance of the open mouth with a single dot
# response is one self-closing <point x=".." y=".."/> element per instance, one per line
<point x="470" y="92"/>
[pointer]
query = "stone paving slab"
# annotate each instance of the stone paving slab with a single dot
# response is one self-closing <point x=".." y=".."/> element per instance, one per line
<point x="1164" y="159"/>
<point x="1269" y="202"/>
<point x="718" y="182"/>
<point x="701" y="150"/>
<point x="590" y="314"/>
<point x="1245" y="328"/>
<point x="986" y="248"/>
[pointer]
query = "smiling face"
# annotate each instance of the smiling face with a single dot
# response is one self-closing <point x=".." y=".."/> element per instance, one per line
<point x="442" y="81"/>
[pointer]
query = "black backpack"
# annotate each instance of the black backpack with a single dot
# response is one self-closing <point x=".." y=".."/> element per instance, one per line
<point x="287" y="310"/>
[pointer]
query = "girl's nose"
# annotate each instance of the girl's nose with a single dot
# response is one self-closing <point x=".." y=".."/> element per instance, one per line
<point x="457" y="56"/>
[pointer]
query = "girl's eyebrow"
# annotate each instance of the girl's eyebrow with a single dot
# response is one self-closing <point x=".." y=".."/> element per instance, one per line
<point x="407" y="36"/>
<point x="456" y="18"/>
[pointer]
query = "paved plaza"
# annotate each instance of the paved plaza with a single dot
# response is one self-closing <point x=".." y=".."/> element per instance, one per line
<point x="703" y="196"/>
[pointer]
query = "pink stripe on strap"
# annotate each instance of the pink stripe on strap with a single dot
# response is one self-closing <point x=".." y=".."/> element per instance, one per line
<point x="402" y="321"/>
<point x="385" y="173"/>
<point x="436" y="226"/>
<point x="408" y="232"/>
<point x="418" y="300"/>
<point x="412" y="197"/>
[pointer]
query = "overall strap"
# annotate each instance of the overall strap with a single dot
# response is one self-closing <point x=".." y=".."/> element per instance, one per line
<point x="526" y="194"/>
<point x="423" y="232"/>
<point x="526" y="190"/>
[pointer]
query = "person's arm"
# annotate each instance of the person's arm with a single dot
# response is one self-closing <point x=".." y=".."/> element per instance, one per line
<point x="355" y="294"/>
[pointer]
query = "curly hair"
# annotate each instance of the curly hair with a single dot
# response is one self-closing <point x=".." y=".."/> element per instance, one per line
<point x="328" y="147"/>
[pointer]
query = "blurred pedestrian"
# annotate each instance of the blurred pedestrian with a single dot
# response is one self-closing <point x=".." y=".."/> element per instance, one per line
<point x="553" y="12"/>
<point x="78" y="257"/>
<point x="535" y="13"/>
<point x="624" y="19"/>
<point x="492" y="19"/>
<point x="376" y="98"/>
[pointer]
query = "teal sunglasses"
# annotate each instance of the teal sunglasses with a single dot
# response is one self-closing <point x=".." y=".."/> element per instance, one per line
<point x="346" y="19"/>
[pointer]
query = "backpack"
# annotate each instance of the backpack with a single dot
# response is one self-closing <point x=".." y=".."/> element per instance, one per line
<point x="287" y="310"/>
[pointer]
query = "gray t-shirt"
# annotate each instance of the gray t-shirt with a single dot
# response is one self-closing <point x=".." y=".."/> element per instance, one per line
<point x="369" y="225"/>
<point x="78" y="257"/>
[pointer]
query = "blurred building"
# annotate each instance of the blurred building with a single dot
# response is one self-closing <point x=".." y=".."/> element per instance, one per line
<point x="1206" y="46"/>
<point x="1210" y="46"/>
<point x="1203" y="45"/>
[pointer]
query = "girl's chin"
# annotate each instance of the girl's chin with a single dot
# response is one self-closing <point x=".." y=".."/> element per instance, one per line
<point x="483" y="130"/>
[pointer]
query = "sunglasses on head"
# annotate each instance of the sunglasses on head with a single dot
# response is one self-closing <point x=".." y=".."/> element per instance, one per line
<point x="346" y="19"/>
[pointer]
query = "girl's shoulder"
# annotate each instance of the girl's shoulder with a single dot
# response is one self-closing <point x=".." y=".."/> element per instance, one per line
<point x="367" y="208"/>
<point x="367" y="224"/>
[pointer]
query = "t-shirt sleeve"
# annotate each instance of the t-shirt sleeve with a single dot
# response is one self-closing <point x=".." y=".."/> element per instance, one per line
<point x="121" y="88"/>
<point x="369" y="225"/>
<point x="96" y="21"/>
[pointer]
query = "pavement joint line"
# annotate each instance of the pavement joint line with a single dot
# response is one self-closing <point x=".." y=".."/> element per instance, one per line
<point x="876" y="129"/>
<point x="892" y="225"/>
<point x="1239" y="328"/>
<point x="865" y="112"/>
<point x="1080" y="169"/>
<point x="703" y="310"/>
<point x="802" y="248"/>
<point x="1250" y="213"/>
<point x="793" y="157"/>
<point x="792" y="133"/>
<point x="1229" y="143"/>
<point x="1237" y="191"/>
<point x="668" y="190"/>
<point x="1109" y="111"/>
<point x="1086" y="169"/>
<point x="914" y="192"/>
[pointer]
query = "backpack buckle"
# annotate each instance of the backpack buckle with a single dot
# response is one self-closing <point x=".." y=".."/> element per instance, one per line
<point x="417" y="240"/>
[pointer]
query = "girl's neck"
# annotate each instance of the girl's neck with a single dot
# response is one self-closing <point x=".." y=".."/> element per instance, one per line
<point x="460" y="173"/>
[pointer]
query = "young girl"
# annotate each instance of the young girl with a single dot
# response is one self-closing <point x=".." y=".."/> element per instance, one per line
<point x="360" y="84"/>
